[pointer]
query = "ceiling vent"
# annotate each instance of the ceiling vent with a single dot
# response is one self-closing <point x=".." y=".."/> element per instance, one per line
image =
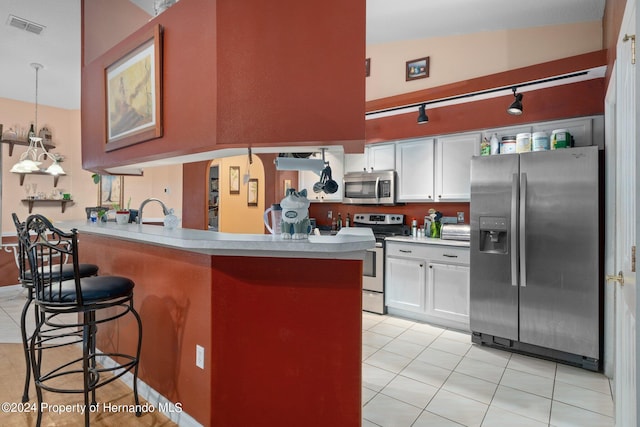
<point x="25" y="24"/>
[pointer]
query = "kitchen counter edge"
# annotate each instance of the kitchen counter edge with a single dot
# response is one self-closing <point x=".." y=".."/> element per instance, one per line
<point x="341" y="246"/>
<point x="429" y="241"/>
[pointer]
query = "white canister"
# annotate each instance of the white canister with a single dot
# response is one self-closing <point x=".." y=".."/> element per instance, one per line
<point x="540" y="141"/>
<point x="495" y="144"/>
<point x="523" y="142"/>
<point x="508" y="145"/>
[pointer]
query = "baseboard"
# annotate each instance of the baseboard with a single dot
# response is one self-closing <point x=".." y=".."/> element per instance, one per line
<point x="173" y="410"/>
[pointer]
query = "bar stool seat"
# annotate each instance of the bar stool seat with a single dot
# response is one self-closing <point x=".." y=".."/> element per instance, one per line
<point x="95" y="289"/>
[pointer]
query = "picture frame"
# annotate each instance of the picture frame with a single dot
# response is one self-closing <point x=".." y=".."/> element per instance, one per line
<point x="367" y="67"/>
<point x="234" y="179"/>
<point x="111" y="190"/>
<point x="252" y="192"/>
<point x="417" y="69"/>
<point x="133" y="92"/>
<point x="287" y="185"/>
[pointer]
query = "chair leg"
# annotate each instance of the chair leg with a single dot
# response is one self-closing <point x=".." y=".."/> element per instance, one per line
<point x="86" y="351"/>
<point x="135" y="369"/>
<point x="25" y="343"/>
<point x="35" y="351"/>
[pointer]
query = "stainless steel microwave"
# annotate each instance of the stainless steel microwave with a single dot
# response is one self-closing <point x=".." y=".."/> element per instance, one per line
<point x="370" y="188"/>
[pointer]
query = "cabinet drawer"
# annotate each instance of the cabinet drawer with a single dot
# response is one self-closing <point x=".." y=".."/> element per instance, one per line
<point x="448" y="254"/>
<point x="408" y="250"/>
<point x="439" y="253"/>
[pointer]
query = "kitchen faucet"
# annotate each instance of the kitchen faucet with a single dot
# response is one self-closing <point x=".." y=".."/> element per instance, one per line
<point x="153" y="199"/>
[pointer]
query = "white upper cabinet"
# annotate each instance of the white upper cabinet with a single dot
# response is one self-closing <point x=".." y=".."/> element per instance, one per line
<point x="453" y="166"/>
<point x="381" y="157"/>
<point x="306" y="179"/>
<point x="377" y="157"/>
<point x="414" y="164"/>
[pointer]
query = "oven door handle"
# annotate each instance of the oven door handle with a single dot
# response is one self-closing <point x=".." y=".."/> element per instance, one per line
<point x="377" y="189"/>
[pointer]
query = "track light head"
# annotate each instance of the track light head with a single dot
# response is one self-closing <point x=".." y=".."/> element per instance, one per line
<point x="422" y="115"/>
<point x="516" y="106"/>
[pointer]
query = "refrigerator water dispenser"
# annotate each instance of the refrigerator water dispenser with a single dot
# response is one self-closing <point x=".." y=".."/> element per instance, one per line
<point x="493" y="234"/>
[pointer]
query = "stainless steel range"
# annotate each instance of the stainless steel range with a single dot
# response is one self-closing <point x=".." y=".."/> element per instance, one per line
<point x="382" y="225"/>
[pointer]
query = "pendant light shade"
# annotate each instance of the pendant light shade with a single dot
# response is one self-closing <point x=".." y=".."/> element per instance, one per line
<point x="30" y="160"/>
<point x="516" y="106"/>
<point x="422" y="115"/>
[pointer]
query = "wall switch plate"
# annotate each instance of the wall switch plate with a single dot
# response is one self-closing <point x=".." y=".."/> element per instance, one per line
<point x="199" y="356"/>
<point x="329" y="214"/>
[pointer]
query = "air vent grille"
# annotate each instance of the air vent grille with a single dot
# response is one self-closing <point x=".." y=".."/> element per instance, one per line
<point x="25" y="24"/>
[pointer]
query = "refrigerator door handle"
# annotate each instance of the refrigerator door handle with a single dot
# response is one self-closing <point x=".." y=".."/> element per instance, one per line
<point x="514" y="234"/>
<point x="523" y="244"/>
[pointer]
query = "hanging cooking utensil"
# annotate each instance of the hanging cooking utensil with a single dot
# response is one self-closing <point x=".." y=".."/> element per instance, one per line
<point x="330" y="186"/>
<point x="319" y="186"/>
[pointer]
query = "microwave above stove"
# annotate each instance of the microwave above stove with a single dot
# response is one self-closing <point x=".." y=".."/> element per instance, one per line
<point x="370" y="188"/>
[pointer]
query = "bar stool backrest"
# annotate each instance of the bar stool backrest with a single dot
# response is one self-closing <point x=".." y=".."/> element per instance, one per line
<point x="47" y="248"/>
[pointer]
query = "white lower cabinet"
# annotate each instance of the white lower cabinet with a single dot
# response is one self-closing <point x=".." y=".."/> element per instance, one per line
<point x="405" y="283"/>
<point x="449" y="291"/>
<point x="428" y="283"/>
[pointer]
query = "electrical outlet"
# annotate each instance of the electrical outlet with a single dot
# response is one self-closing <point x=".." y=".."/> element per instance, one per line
<point x="329" y="214"/>
<point x="460" y="217"/>
<point x="199" y="356"/>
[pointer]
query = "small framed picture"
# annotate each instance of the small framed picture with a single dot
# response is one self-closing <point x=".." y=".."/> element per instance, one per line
<point x="418" y="68"/>
<point x="367" y="67"/>
<point x="287" y="186"/>
<point x="252" y="192"/>
<point x="234" y="179"/>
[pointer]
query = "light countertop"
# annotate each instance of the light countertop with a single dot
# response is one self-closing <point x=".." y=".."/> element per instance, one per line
<point x="428" y="241"/>
<point x="341" y="246"/>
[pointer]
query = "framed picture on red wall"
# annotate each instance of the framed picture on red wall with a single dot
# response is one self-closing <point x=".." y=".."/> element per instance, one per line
<point x="133" y="95"/>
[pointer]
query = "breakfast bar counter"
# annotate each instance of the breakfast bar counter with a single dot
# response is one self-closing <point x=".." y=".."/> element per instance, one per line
<point x="279" y="321"/>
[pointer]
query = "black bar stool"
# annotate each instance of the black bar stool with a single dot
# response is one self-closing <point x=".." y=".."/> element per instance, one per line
<point x="26" y="280"/>
<point x="81" y="298"/>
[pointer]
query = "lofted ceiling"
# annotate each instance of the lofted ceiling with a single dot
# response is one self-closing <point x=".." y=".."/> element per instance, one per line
<point x="57" y="47"/>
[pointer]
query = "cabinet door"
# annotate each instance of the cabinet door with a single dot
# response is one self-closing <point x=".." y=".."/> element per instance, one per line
<point x="414" y="163"/>
<point x="405" y="283"/>
<point x="453" y="166"/>
<point x="381" y="157"/>
<point x="448" y="292"/>
<point x="355" y="163"/>
<point x="580" y="129"/>
<point x="306" y="179"/>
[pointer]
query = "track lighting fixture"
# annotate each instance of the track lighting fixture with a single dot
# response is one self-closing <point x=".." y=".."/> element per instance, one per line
<point x="422" y="115"/>
<point x="516" y="106"/>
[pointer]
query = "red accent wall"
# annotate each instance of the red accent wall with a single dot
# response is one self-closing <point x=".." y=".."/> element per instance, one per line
<point x="611" y="22"/>
<point x="173" y="296"/>
<point x="282" y="345"/>
<point x="555" y="103"/>
<point x="238" y="74"/>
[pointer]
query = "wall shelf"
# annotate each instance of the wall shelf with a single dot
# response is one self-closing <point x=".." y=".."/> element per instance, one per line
<point x="55" y="177"/>
<point x="14" y="142"/>
<point x="62" y="202"/>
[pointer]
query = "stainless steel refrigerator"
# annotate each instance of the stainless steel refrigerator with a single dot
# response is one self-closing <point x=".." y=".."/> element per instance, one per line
<point x="535" y="254"/>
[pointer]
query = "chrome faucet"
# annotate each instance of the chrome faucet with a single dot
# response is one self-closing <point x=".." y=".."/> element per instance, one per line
<point x="165" y="210"/>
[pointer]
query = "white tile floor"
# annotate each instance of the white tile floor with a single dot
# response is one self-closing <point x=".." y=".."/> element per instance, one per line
<point x="419" y="375"/>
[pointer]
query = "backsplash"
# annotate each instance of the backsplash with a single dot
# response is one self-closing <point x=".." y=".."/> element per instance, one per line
<point x="411" y="210"/>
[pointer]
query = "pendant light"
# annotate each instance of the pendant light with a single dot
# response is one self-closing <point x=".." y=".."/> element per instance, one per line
<point x="516" y="106"/>
<point x="422" y="115"/>
<point x="30" y="160"/>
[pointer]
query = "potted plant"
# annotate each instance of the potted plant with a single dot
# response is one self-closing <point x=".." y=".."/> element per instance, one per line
<point x="122" y="215"/>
